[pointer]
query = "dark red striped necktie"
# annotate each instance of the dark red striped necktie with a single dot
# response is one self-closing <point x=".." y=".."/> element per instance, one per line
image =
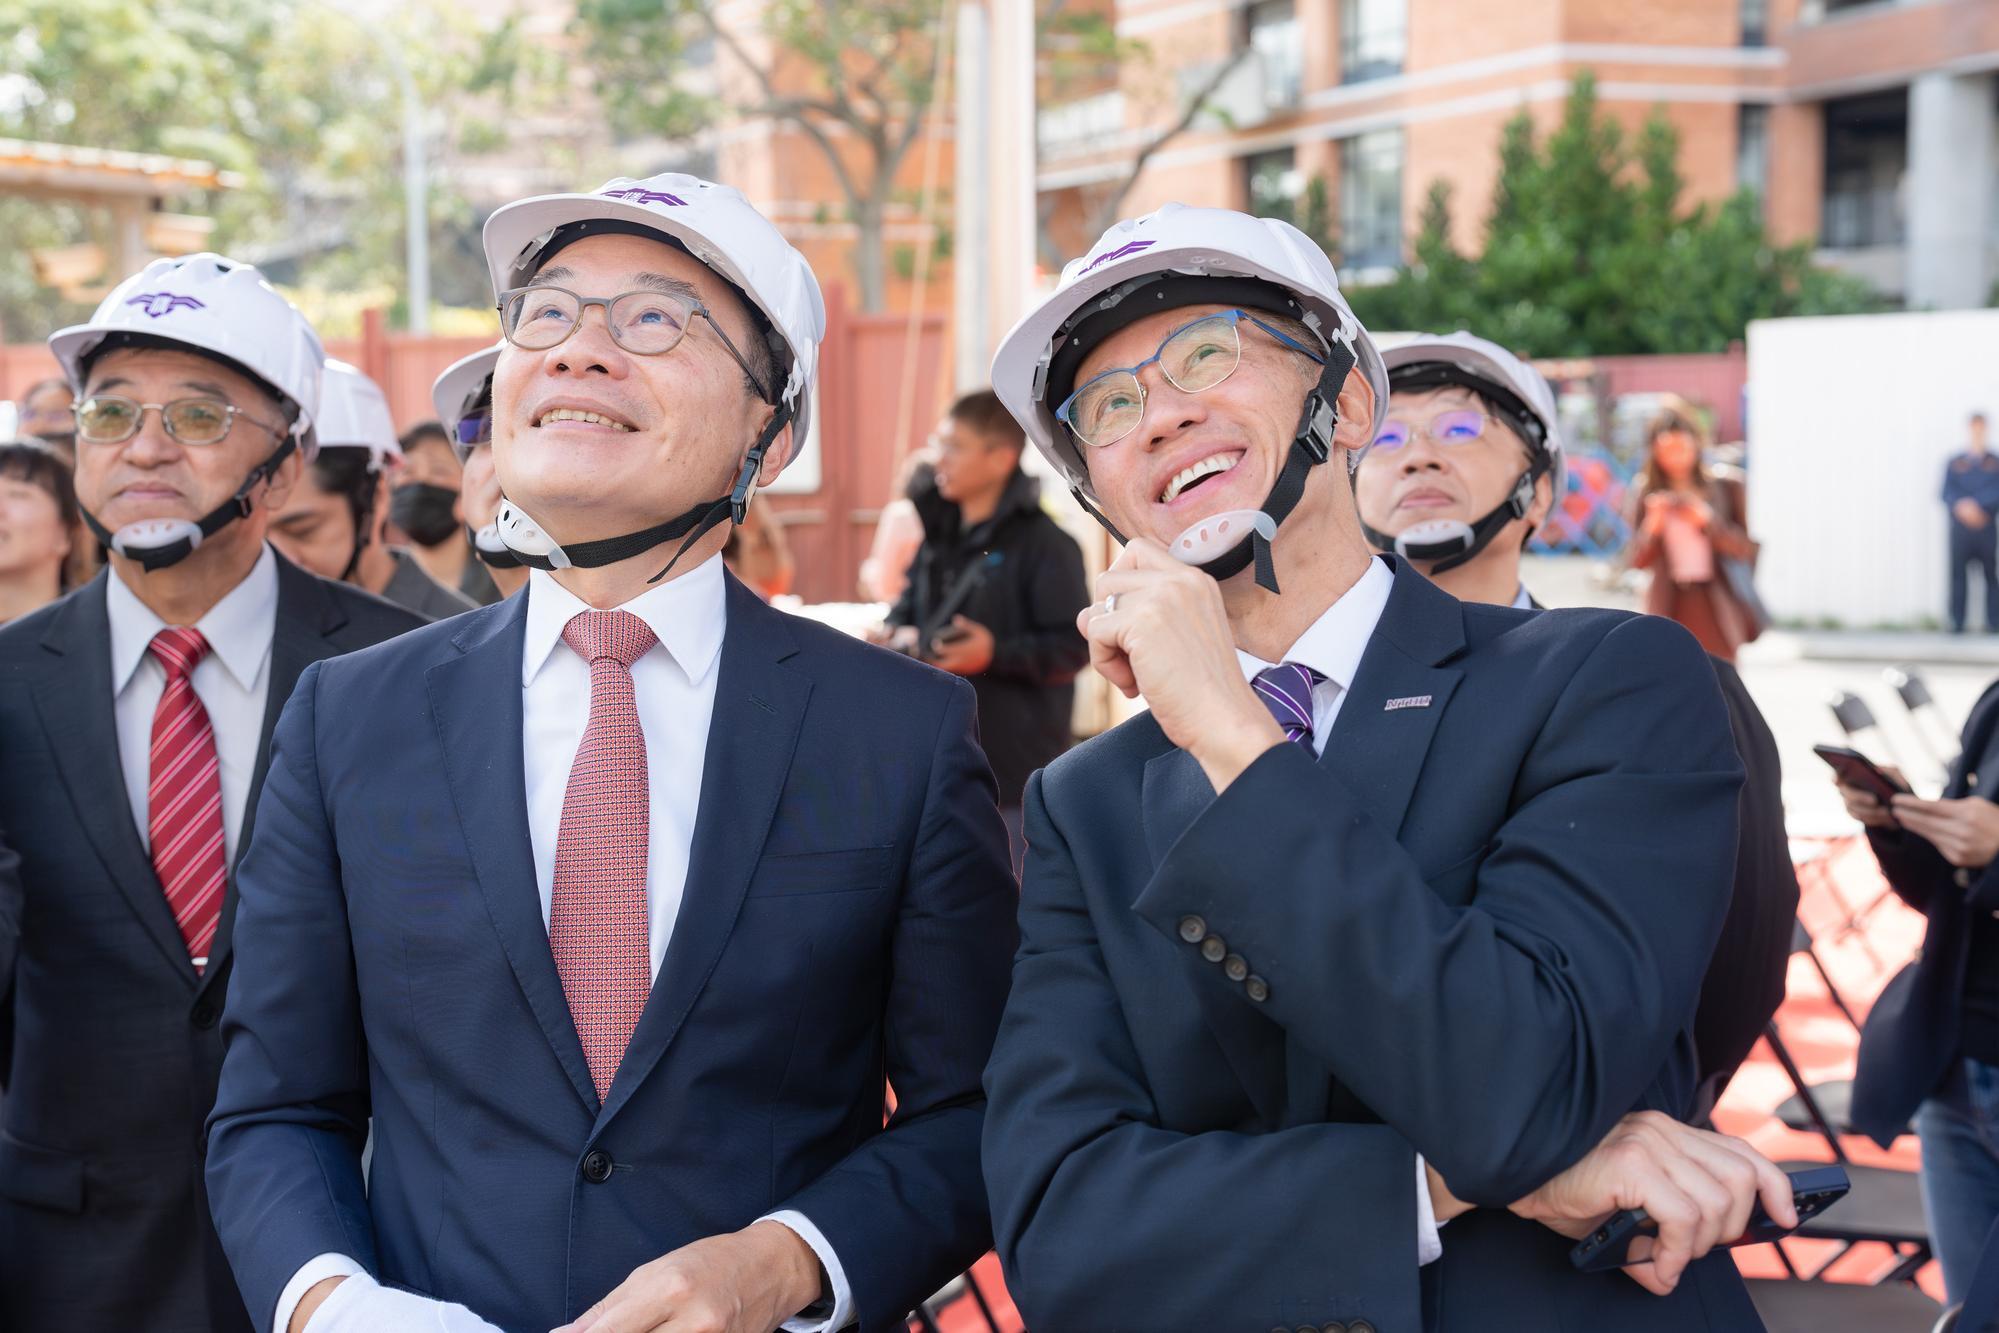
<point x="184" y="797"/>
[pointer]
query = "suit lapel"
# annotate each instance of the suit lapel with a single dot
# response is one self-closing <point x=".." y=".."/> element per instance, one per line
<point x="759" y="708"/>
<point x="1174" y="794"/>
<point x="74" y="698"/>
<point x="476" y="701"/>
<point x="306" y="622"/>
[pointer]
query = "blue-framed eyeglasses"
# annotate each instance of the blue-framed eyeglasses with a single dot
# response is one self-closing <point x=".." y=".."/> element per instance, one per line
<point x="1196" y="356"/>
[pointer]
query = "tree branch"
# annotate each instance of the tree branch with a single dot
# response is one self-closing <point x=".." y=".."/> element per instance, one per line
<point x="1107" y="214"/>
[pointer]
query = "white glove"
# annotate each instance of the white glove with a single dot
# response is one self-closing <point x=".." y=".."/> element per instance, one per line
<point x="362" y="1305"/>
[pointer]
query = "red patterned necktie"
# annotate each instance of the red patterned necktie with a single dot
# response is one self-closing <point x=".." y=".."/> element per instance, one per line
<point x="598" y="925"/>
<point x="184" y="797"/>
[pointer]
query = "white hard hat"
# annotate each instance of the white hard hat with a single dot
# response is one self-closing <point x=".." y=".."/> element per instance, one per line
<point x="457" y="388"/>
<point x="1175" y="240"/>
<point x="717" y="225"/>
<point x="215" y="305"/>
<point x="354" y="414"/>
<point x="1469" y="357"/>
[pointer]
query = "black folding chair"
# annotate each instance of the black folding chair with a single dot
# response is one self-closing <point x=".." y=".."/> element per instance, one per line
<point x="1858" y="722"/>
<point x="1915" y="695"/>
<point x="1885" y="1206"/>
<point x="1835" y="1096"/>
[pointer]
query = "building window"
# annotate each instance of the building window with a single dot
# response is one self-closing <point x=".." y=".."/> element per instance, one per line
<point x="1752" y="147"/>
<point x="1755" y="22"/>
<point x="1373" y="38"/>
<point x="1272" y="32"/>
<point x="1866" y="159"/>
<point x="1371" y="200"/>
<point x="1273" y="183"/>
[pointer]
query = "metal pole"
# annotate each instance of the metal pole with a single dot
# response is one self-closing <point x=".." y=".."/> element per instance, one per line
<point x="971" y="269"/>
<point x="416" y="196"/>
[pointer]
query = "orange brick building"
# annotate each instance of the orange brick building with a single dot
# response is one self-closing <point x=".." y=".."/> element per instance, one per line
<point x="1871" y="129"/>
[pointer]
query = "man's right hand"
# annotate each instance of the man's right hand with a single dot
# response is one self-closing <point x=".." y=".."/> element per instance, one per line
<point x="1698" y="1186"/>
<point x="1970" y="514"/>
<point x="359" y="1304"/>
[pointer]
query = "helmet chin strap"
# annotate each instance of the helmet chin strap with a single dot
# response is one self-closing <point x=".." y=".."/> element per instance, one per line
<point x="534" y="548"/>
<point x="156" y="543"/>
<point x="1310" y="446"/>
<point x="1450" y="543"/>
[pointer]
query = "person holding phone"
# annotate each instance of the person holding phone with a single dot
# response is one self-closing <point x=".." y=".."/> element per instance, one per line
<point x="1686" y="521"/>
<point x="993" y="595"/>
<point x="1931" y="1045"/>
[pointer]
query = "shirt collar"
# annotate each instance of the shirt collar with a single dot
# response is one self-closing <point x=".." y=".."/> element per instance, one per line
<point x="238" y="628"/>
<point x="686" y="615"/>
<point x="1523" y="599"/>
<point x="1333" y="644"/>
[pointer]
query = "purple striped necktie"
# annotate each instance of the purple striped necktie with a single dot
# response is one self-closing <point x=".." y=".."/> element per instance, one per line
<point x="1286" y="690"/>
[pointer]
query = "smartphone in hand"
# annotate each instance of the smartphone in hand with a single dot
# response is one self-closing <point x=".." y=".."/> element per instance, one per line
<point x="1608" y="1247"/>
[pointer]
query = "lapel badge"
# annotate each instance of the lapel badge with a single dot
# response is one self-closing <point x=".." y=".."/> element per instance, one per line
<point x="1407" y="701"/>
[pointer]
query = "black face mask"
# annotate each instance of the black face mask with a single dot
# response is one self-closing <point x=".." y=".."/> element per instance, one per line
<point x="424" y="512"/>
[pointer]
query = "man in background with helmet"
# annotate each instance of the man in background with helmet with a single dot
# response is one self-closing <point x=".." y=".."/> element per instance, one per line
<point x="678" y="880"/>
<point x="463" y="396"/>
<point x="1470" y="428"/>
<point x="1353" y="934"/>
<point x="135" y="717"/>
<point x="333" y="523"/>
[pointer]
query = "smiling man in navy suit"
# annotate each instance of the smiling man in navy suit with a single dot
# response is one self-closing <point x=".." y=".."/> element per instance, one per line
<point x="617" y="904"/>
<point x="1355" y="977"/>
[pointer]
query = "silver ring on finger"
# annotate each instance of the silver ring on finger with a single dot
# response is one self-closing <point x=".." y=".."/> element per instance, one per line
<point x="1110" y="604"/>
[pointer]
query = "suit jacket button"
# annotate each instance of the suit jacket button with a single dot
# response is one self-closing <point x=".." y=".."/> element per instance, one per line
<point x="1193" y="929"/>
<point x="1213" y="949"/>
<point x="1963" y="878"/>
<point x="1360" y="1326"/>
<point x="597" y="1167"/>
<point x="205" y="1014"/>
<point x="1335" y="1327"/>
<point x="1256" y="988"/>
<point x="1307" y="1328"/>
<point x="1235" y="967"/>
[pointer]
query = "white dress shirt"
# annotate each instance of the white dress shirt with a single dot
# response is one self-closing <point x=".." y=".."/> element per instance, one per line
<point x="233" y="683"/>
<point x="673" y="685"/>
<point x="1332" y="646"/>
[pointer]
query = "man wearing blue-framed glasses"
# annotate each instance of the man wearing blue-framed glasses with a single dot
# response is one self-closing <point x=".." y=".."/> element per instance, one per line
<point x="1390" y="913"/>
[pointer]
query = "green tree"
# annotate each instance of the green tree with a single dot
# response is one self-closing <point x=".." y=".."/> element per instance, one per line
<point x="1589" y="251"/>
<point x="294" y="96"/>
<point x="862" y="71"/>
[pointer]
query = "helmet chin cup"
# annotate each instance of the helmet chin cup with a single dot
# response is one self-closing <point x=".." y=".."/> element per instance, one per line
<point x="1218" y="534"/>
<point x="489" y="540"/>
<point x="135" y="540"/>
<point x="524" y="537"/>
<point x="1434" y="539"/>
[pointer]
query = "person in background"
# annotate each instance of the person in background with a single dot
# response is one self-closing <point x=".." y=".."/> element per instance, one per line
<point x="425" y="508"/>
<point x="1971" y="490"/>
<point x="463" y="395"/>
<point x="1470" y="455"/>
<point x="757" y="554"/>
<point x="1686" y="522"/>
<point x="899" y="530"/>
<point x="135" y="734"/>
<point x="38" y="522"/>
<point x="45" y="413"/>
<point x="1930" y="1048"/>
<point x="334" y="523"/>
<point x="993" y="595"/>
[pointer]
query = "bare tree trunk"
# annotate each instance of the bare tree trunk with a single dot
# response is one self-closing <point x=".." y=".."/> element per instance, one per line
<point x="870" y="266"/>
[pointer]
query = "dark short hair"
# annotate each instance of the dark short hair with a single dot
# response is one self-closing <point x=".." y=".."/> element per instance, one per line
<point x="1978" y="418"/>
<point x="348" y="473"/>
<point x="982" y="411"/>
<point x="423" y="433"/>
<point x="53" y="382"/>
<point x="39" y="465"/>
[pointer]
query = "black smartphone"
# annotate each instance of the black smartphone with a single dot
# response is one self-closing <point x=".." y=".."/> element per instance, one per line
<point x="1857" y="770"/>
<point x="1812" y="1190"/>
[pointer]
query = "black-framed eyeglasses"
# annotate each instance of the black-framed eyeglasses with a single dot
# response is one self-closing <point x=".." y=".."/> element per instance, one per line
<point x="1198" y="355"/>
<point x="109" y="418"/>
<point x="644" y="323"/>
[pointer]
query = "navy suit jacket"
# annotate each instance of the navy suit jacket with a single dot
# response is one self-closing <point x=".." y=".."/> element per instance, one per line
<point x="1913" y="1031"/>
<point x="1475" y="930"/>
<point x="103" y="1219"/>
<point x="848" y="920"/>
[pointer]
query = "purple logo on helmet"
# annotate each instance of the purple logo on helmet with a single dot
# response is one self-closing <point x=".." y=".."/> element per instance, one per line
<point x="1129" y="248"/>
<point x="636" y="195"/>
<point x="156" y="304"/>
